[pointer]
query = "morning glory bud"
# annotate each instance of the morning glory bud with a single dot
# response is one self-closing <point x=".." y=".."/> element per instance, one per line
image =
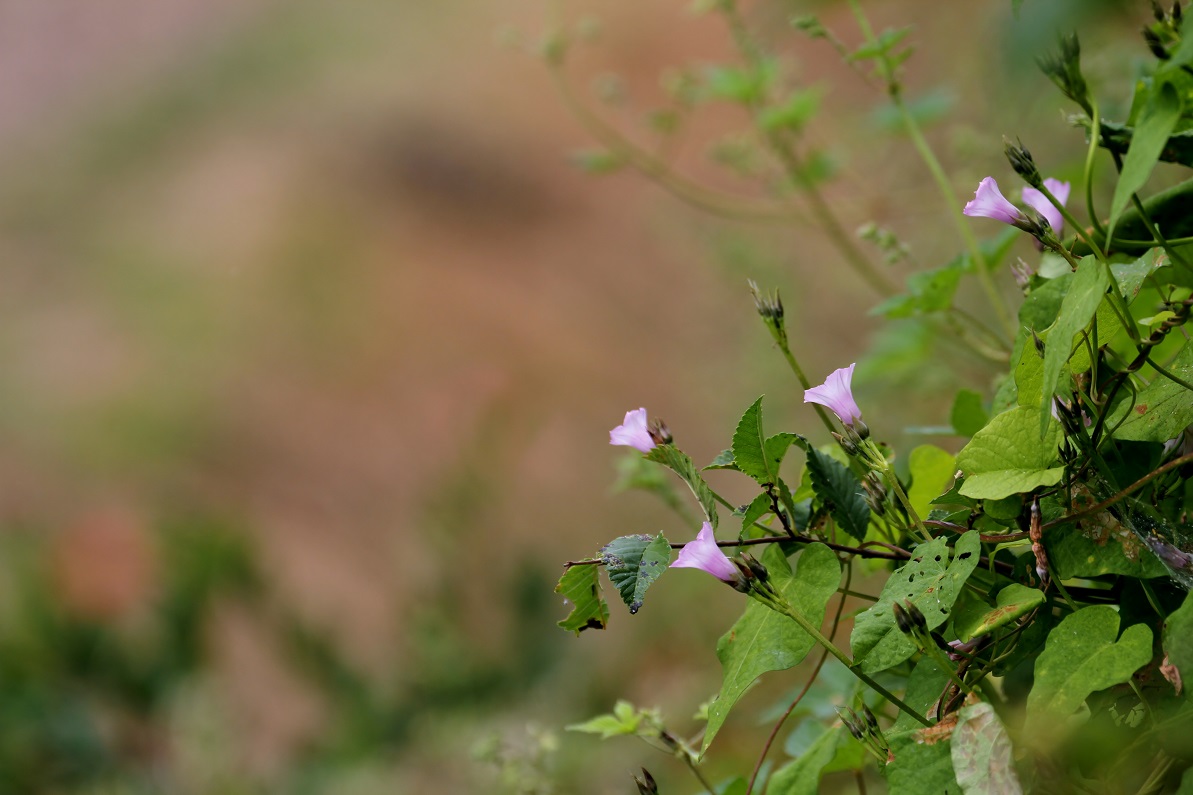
<point x="1022" y="162"/>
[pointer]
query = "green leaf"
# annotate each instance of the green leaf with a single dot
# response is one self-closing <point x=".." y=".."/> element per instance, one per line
<point x="968" y="417"/>
<point x="754" y="454"/>
<point x="763" y="640"/>
<point x="635" y="472"/>
<point x="1007" y="456"/>
<point x="794" y="112"/>
<point x="931" y="582"/>
<point x="1131" y="275"/>
<point x="625" y="719"/>
<point x="802" y="776"/>
<point x="580" y="586"/>
<point x="724" y="460"/>
<point x="932" y="471"/>
<point x="921" y="767"/>
<point x="746" y="84"/>
<point x="597" y="161"/>
<point x="677" y="461"/>
<point x="927" y="291"/>
<point x="633" y="563"/>
<point x="982" y="754"/>
<point x="839" y="490"/>
<point x="1178" y="639"/>
<point x="1081" y="657"/>
<point x="1162" y="409"/>
<point x="1158" y="121"/>
<point x="1013" y="601"/>
<point x="754" y="511"/>
<point x="1076" y="311"/>
<point x="924" y="688"/>
<point x="1073" y="554"/>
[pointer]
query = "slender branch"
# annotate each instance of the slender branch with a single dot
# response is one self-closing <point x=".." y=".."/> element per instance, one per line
<point x="1104" y="504"/>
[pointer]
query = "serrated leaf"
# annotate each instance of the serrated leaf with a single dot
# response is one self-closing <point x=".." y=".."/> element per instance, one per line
<point x="763" y="640"/>
<point x="1162" y="409"/>
<point x="967" y="416"/>
<point x="982" y="755"/>
<point x="758" y="508"/>
<point x="724" y="460"/>
<point x="801" y="776"/>
<point x="839" y="490"/>
<point x="1013" y="601"/>
<point x="1076" y="311"/>
<point x="678" y="462"/>
<point x="633" y="563"/>
<point x="1008" y="457"/>
<point x="1082" y="655"/>
<point x="580" y="586"/>
<point x="932" y="582"/>
<point x="755" y="454"/>
<point x="932" y="471"/>
<point x="1160" y="114"/>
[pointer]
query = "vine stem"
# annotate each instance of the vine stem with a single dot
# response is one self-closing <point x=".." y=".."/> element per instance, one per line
<point x="924" y="149"/>
<point x="774" y="732"/>
<point x="1104" y="504"/>
<point x="780" y="605"/>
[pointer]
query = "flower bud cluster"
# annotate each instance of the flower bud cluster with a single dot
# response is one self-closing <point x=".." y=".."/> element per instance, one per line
<point x="1064" y="69"/>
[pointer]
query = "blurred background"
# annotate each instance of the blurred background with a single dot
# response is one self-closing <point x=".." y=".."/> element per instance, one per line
<point x="312" y="337"/>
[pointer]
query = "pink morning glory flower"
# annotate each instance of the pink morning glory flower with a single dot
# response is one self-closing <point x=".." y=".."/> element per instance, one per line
<point x="837" y="395"/>
<point x="704" y="554"/>
<point x="633" y="432"/>
<point x="988" y="202"/>
<point x="1040" y="203"/>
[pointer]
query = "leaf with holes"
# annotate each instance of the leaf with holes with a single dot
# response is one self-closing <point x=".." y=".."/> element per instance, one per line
<point x="764" y="640"/>
<point x="931" y="582"/>
<point x="678" y="462"/>
<point x="580" y="587"/>
<point x="633" y="563"/>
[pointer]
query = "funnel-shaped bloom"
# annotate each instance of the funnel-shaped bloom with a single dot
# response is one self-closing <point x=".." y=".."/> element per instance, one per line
<point x="836" y="393"/>
<point x="633" y="432"/>
<point x="988" y="202"/>
<point x="1040" y="203"/>
<point x="704" y="554"/>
